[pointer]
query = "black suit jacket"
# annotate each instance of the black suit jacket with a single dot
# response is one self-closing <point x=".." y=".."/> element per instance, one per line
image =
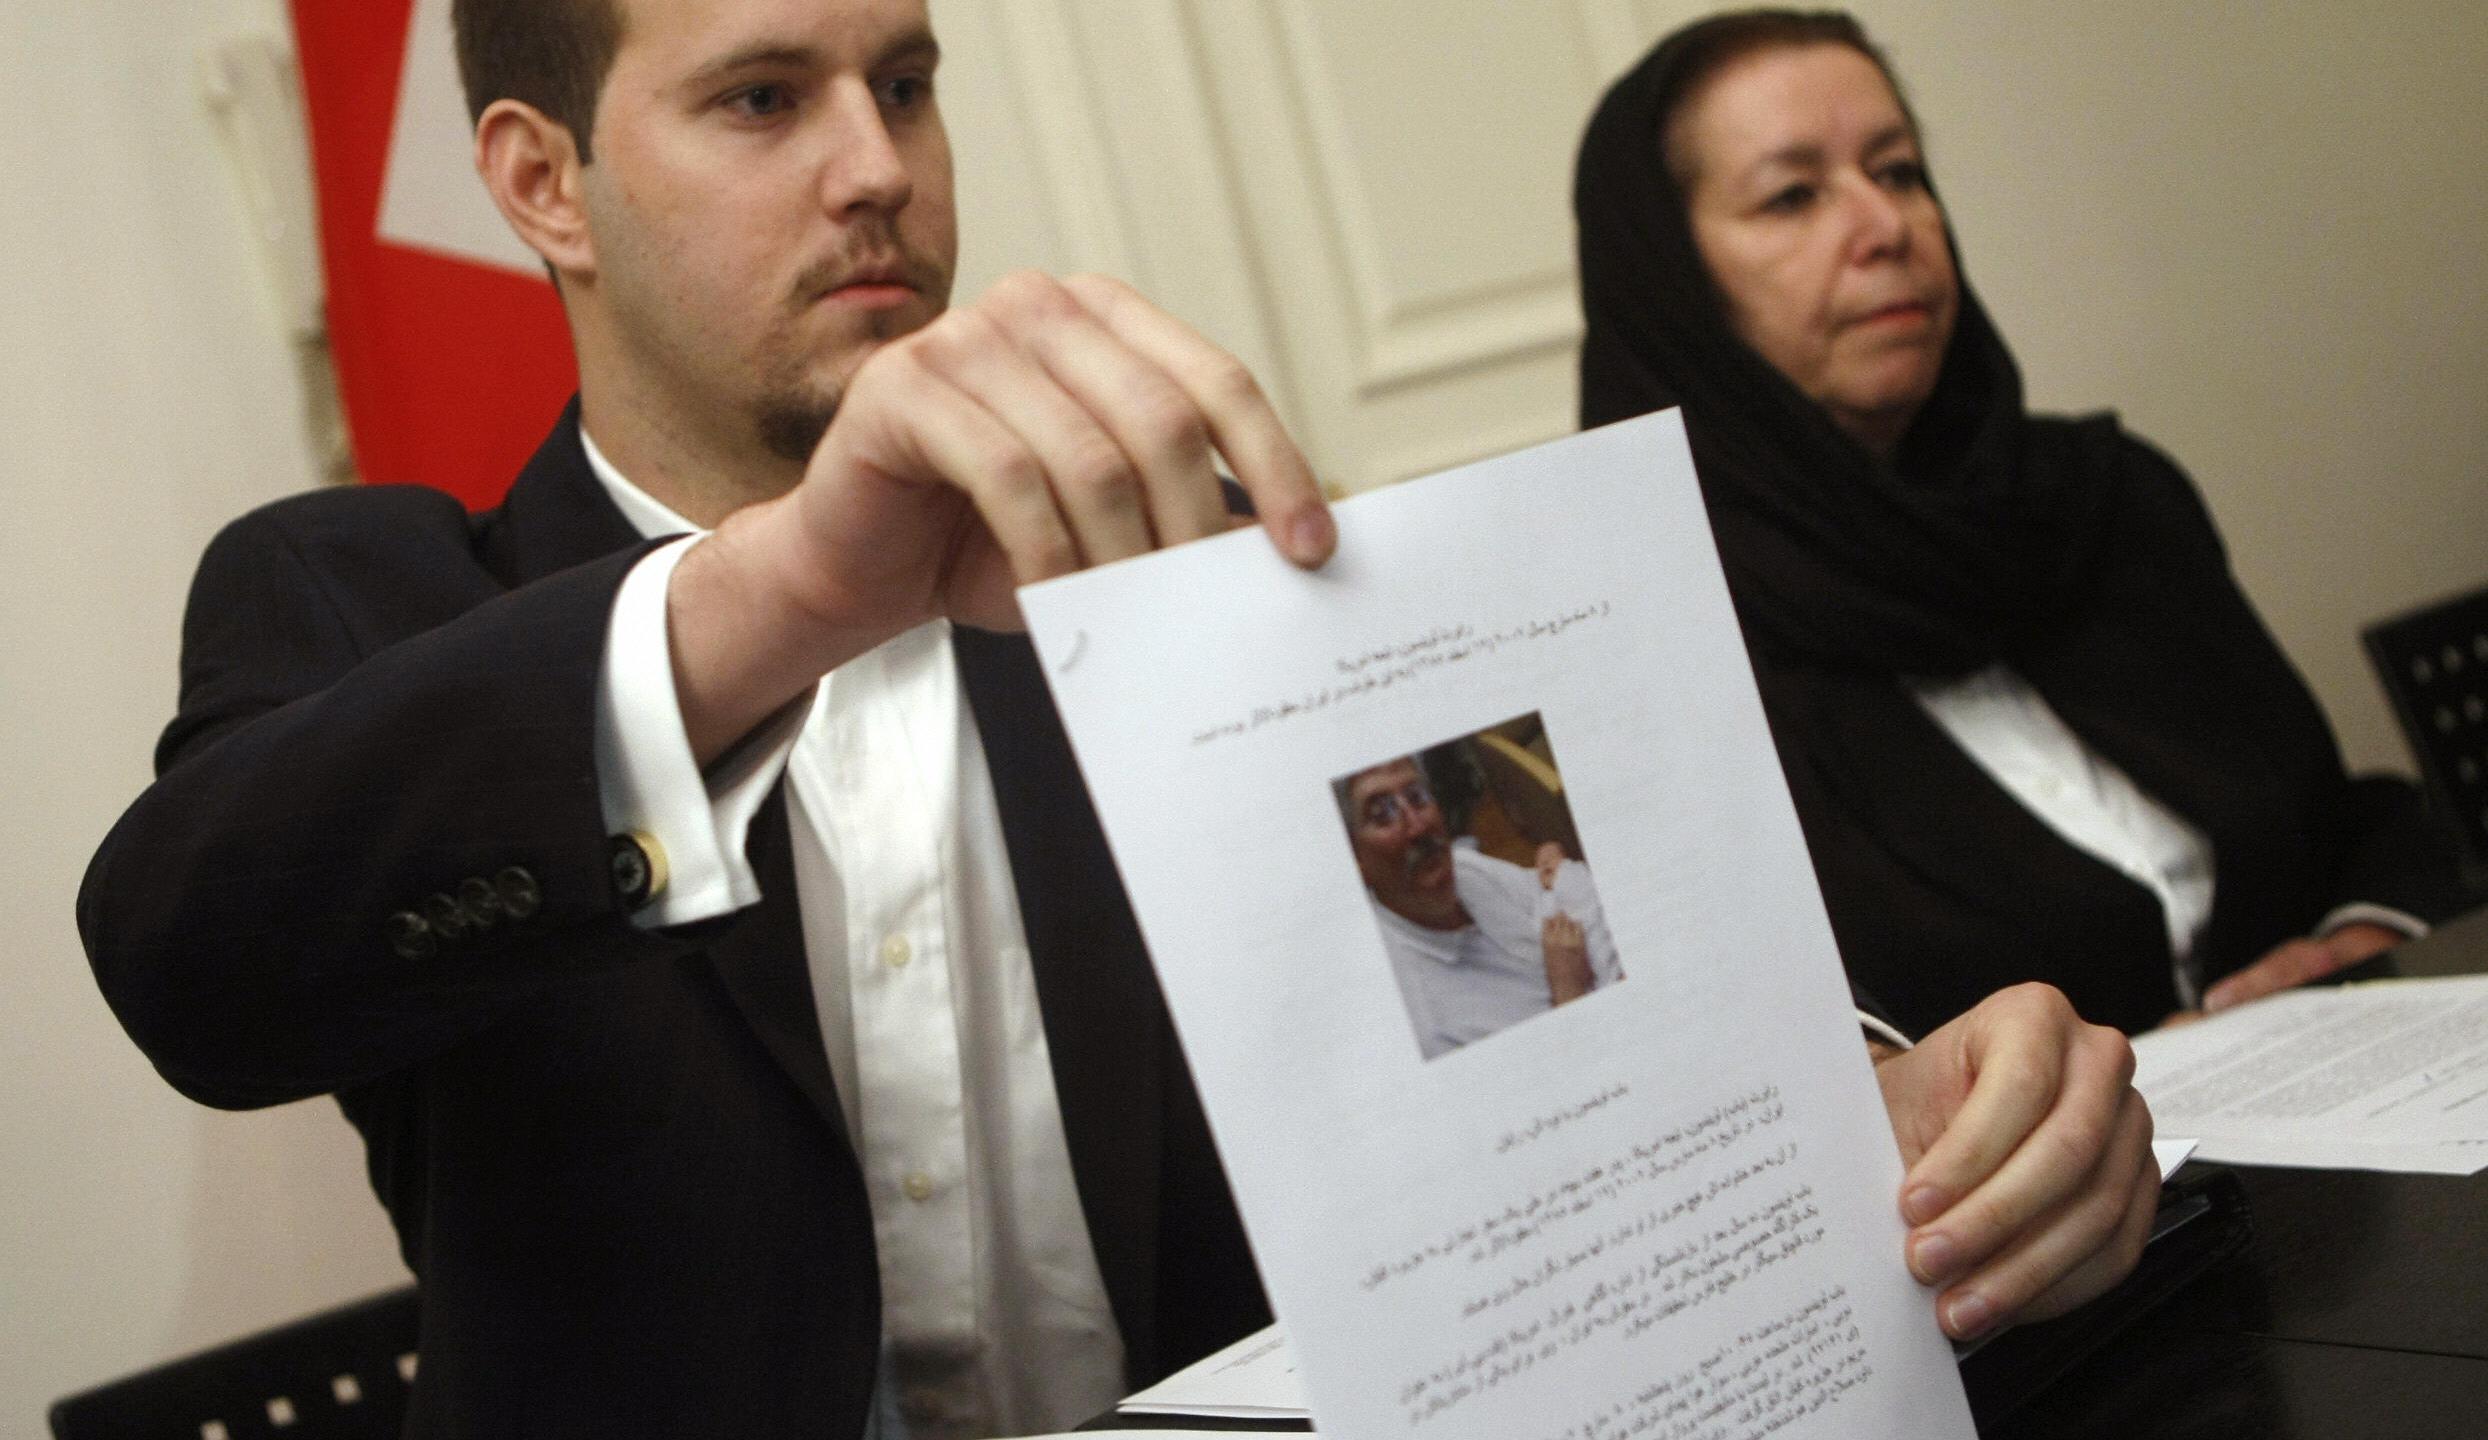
<point x="614" y="1158"/>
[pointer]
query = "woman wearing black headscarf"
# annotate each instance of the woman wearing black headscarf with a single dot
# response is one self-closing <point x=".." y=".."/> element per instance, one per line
<point x="2032" y="728"/>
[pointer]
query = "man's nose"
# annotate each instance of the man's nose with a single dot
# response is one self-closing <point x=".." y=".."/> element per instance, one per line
<point x="863" y="170"/>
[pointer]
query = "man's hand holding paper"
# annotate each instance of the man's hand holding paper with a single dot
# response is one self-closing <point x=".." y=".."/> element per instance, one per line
<point x="2031" y="1182"/>
<point x="1054" y="424"/>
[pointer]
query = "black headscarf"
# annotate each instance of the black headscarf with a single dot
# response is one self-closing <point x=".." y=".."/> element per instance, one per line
<point x="1978" y="535"/>
<point x="2067" y="550"/>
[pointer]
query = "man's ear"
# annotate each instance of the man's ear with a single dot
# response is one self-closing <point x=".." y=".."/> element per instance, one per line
<point x="531" y="165"/>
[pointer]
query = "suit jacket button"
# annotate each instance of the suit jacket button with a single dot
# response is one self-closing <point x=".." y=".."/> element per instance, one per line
<point x="410" y="935"/>
<point x="448" y="921"/>
<point x="520" y="896"/>
<point x="480" y="903"/>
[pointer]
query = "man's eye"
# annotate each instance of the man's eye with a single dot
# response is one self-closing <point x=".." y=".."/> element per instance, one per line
<point x="761" y="101"/>
<point x="906" y="92"/>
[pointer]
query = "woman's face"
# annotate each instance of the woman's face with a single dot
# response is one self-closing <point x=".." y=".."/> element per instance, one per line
<point x="1809" y="204"/>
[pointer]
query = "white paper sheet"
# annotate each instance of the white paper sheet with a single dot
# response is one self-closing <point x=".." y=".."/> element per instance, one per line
<point x="1666" y="1209"/>
<point x="1254" y="1378"/>
<point x="2170" y="1154"/>
<point x="2385" y="1076"/>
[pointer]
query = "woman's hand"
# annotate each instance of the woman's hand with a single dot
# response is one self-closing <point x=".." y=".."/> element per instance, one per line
<point x="2295" y="962"/>
<point x="2031" y="1182"/>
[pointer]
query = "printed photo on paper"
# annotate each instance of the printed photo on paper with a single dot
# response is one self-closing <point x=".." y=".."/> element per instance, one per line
<point x="1469" y="855"/>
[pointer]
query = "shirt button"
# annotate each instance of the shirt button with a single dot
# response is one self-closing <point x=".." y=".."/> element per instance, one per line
<point x="918" y="1185"/>
<point x="896" y="952"/>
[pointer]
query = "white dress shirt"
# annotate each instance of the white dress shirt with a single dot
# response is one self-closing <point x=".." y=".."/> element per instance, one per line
<point x="994" y="1314"/>
<point x="1465" y="984"/>
<point x="2020" y="741"/>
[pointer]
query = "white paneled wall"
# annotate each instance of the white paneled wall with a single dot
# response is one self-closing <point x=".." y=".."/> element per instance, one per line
<point x="2252" y="230"/>
<point x="1366" y="202"/>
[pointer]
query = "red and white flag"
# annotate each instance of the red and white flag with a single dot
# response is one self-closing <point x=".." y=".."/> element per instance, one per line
<point x="451" y="351"/>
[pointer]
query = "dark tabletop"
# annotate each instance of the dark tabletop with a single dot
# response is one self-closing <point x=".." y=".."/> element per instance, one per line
<point x="2358" y="1306"/>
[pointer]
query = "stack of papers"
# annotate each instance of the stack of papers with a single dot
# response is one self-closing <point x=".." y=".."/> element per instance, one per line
<point x="2386" y="1076"/>
<point x="1252" y="1379"/>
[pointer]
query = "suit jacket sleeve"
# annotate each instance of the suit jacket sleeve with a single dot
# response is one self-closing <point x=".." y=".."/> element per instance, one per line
<point x="2374" y="833"/>
<point x="2395" y="851"/>
<point x="368" y="718"/>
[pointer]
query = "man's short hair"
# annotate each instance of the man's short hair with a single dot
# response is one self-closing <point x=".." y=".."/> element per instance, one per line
<point x="551" y="54"/>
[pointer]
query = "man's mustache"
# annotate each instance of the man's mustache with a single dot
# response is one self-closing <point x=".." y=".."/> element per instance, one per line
<point x="878" y="253"/>
<point x="1421" y="852"/>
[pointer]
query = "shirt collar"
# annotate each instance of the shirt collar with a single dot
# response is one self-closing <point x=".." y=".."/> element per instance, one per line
<point x="1443" y="947"/>
<point x="648" y="515"/>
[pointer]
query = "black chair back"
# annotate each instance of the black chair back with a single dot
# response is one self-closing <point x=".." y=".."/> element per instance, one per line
<point x="343" y="1374"/>
<point x="2434" y="664"/>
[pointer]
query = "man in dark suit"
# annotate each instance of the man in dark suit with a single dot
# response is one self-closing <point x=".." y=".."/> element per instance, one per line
<point x="711" y="942"/>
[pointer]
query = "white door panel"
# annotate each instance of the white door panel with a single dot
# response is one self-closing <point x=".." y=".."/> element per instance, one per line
<point x="1366" y="202"/>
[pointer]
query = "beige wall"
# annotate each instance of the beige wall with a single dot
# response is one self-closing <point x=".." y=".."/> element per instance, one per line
<point x="2263" y="247"/>
<point x="2260" y="233"/>
<point x="144" y="399"/>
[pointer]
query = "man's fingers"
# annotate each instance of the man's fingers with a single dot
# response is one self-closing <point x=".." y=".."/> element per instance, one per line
<point x="2014" y="1047"/>
<point x="2054" y="1161"/>
<point x="963" y="441"/>
<point x="2293" y="963"/>
<point x="2085" y="1244"/>
<point x="1081" y="427"/>
<point x="1097" y="488"/>
<point x="2030" y="1190"/>
<point x="2115" y="1260"/>
<point x="1238" y="416"/>
<point x="1128" y="394"/>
